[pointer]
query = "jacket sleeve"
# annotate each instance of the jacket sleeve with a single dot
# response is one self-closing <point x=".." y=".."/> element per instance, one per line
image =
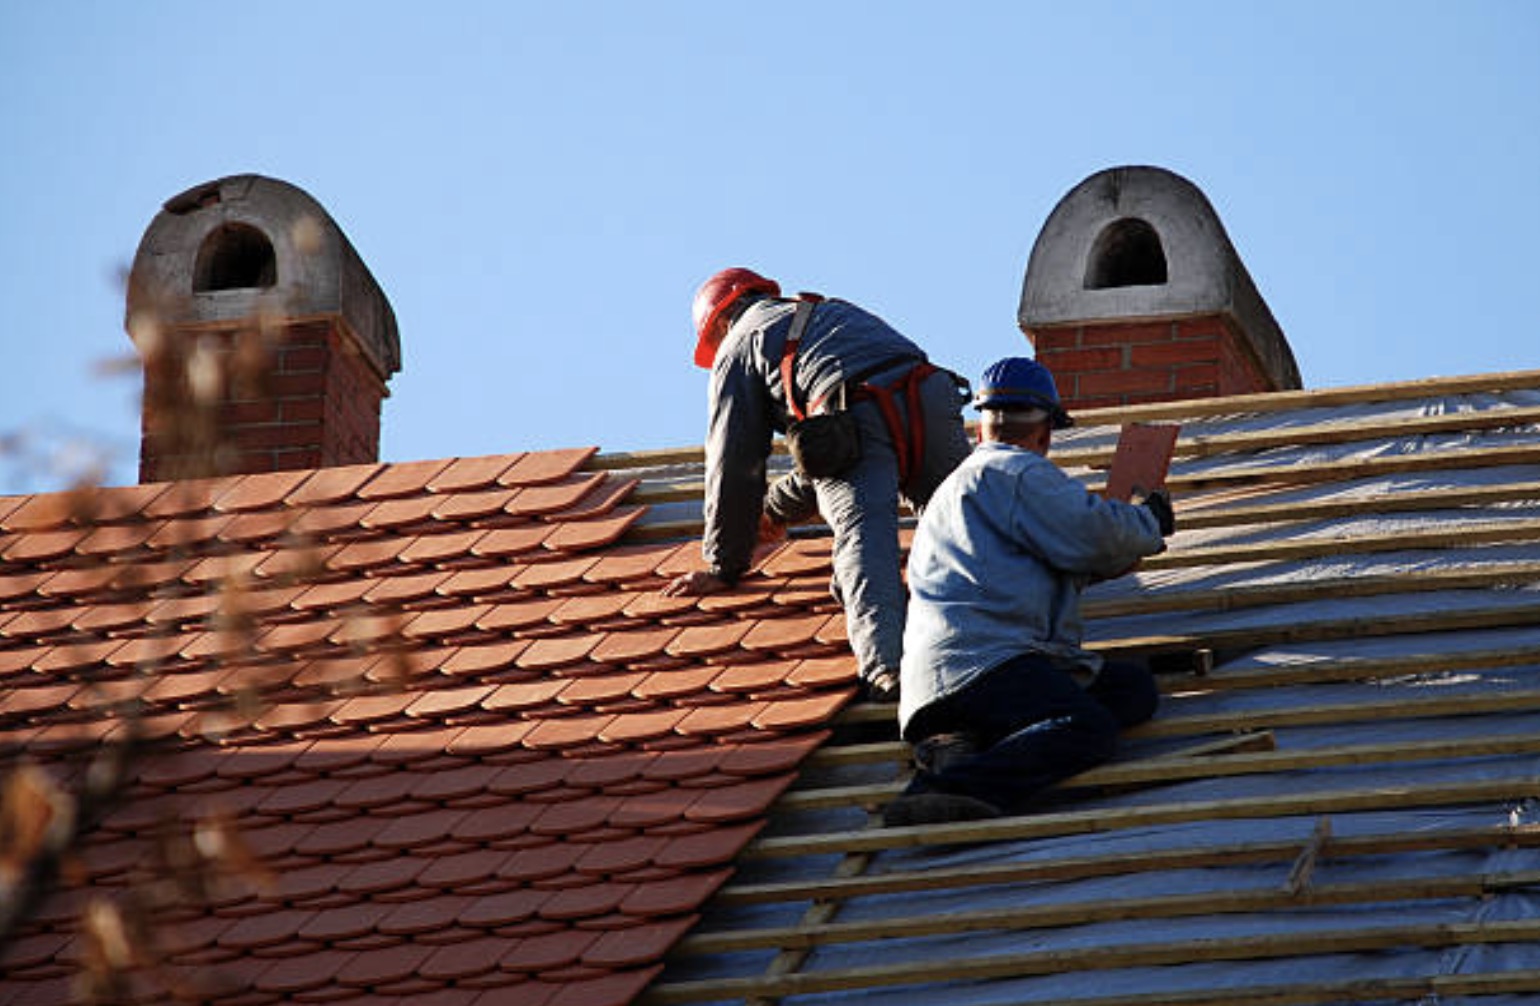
<point x="791" y="498"/>
<point x="737" y="443"/>
<point x="1077" y="531"/>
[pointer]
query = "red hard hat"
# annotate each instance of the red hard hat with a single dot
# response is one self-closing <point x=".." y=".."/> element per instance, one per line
<point x="715" y="296"/>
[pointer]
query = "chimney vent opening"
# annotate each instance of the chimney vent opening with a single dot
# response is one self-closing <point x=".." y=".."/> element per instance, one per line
<point x="1126" y="253"/>
<point x="235" y="257"/>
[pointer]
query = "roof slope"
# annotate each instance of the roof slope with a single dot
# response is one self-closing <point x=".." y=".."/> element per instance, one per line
<point x="439" y="737"/>
<point x="401" y="729"/>
<point x="1336" y="802"/>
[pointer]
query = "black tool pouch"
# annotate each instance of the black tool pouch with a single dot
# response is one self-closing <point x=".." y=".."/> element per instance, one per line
<point x="826" y="445"/>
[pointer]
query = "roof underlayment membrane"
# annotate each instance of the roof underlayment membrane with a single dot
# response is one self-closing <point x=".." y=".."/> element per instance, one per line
<point x="1178" y="889"/>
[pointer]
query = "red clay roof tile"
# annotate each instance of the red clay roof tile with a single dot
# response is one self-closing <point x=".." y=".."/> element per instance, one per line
<point x="669" y="897"/>
<point x="539" y="467"/>
<point x="467" y="474"/>
<point x="544" y="953"/>
<point x="552" y="573"/>
<point x="627" y="563"/>
<point x="737" y="802"/>
<point x="790" y="714"/>
<point x="631" y="646"/>
<point x="552" y="497"/>
<point x="402" y="479"/>
<point x="43" y="545"/>
<point x="398" y="514"/>
<point x="631" y="728"/>
<point x="581" y="535"/>
<point x="473" y="505"/>
<point x="507" y="542"/>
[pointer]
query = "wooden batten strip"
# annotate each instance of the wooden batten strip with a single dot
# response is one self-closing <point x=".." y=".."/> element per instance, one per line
<point x="1198" y="445"/>
<point x="1128" y="955"/>
<point x="1484" y="576"/>
<point x="1314" y="672"/>
<point x="1106" y="819"/>
<point x="1357" y="468"/>
<point x="1203" y="515"/>
<point x="1475" y="704"/>
<point x="1173" y="769"/>
<point x="1185" y="857"/>
<point x="1429" y="988"/>
<point x="1502" y="613"/>
<point x="1273" y="897"/>
<point x="1461" y="536"/>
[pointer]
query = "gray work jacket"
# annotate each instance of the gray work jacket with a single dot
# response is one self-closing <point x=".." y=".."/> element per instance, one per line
<point x="997" y="566"/>
<point x="747" y="406"/>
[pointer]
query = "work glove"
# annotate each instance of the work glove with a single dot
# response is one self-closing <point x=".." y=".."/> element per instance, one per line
<point x="1159" y="504"/>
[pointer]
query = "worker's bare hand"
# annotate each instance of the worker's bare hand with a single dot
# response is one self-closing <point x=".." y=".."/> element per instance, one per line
<point x="692" y="584"/>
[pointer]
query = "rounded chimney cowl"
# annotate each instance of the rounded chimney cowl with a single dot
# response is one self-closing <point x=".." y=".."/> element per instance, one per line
<point x="1139" y="244"/>
<point x="248" y="246"/>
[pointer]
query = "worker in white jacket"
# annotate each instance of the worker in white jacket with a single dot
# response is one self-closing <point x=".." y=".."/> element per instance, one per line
<point x="992" y="697"/>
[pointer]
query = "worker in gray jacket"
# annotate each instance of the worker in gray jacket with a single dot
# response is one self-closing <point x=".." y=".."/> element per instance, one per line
<point x="999" y="698"/>
<point x="869" y="421"/>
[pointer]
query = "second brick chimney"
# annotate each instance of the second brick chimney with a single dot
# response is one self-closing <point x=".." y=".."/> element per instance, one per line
<point x="1134" y="293"/>
<point x="266" y="343"/>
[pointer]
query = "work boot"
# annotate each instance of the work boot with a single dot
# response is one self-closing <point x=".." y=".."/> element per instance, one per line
<point x="936" y="808"/>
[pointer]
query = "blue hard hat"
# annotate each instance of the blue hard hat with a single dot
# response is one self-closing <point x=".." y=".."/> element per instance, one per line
<point x="1018" y="382"/>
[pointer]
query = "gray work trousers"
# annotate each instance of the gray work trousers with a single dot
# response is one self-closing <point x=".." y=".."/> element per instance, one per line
<point x="861" y="508"/>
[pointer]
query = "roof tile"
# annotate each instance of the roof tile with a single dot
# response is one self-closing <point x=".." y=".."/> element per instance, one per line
<point x="684" y="893"/>
<point x="506" y="542"/>
<point x="637" y="945"/>
<point x="629" y="563"/>
<point x="579" y="535"/>
<point x="466" y="474"/>
<point x="544" y="953"/>
<point x="551" y="497"/>
<point x="258" y="492"/>
<point x="540" y="467"/>
<point x="581" y="901"/>
<point x="457" y="962"/>
<point x="503" y="909"/>
<point x="370" y="970"/>
<point x="735" y="803"/>
<point x="698" y="641"/>
<point x="794" y="713"/>
<point x="615" y="989"/>
<point x="632" y="645"/>
<point x="402" y="479"/>
<point x="471" y="506"/>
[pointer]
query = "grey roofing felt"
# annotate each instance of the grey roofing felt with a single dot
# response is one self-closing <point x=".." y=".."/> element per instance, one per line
<point x="1362" y="696"/>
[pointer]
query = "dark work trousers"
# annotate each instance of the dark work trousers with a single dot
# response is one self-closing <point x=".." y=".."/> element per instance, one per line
<point x="1023" y="726"/>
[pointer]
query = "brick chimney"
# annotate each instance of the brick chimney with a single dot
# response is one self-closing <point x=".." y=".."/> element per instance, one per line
<point x="1134" y="293"/>
<point x="265" y="341"/>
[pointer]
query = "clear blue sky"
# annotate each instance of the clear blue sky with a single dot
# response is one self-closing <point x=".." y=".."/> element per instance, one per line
<point x="539" y="187"/>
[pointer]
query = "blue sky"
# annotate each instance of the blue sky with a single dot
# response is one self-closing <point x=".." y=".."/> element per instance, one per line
<point x="539" y="187"/>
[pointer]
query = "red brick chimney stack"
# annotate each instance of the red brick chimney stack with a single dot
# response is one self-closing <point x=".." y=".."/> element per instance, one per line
<point x="266" y="343"/>
<point x="1134" y="293"/>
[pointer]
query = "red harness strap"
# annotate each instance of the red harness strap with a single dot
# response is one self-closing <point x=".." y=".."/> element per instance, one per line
<point x="908" y="442"/>
<point x="804" y="313"/>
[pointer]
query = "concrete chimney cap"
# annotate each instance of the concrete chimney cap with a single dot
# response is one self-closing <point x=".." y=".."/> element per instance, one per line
<point x="248" y="246"/>
<point x="1139" y="243"/>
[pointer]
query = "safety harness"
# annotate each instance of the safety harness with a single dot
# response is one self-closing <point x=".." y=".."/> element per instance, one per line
<point x="908" y="441"/>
